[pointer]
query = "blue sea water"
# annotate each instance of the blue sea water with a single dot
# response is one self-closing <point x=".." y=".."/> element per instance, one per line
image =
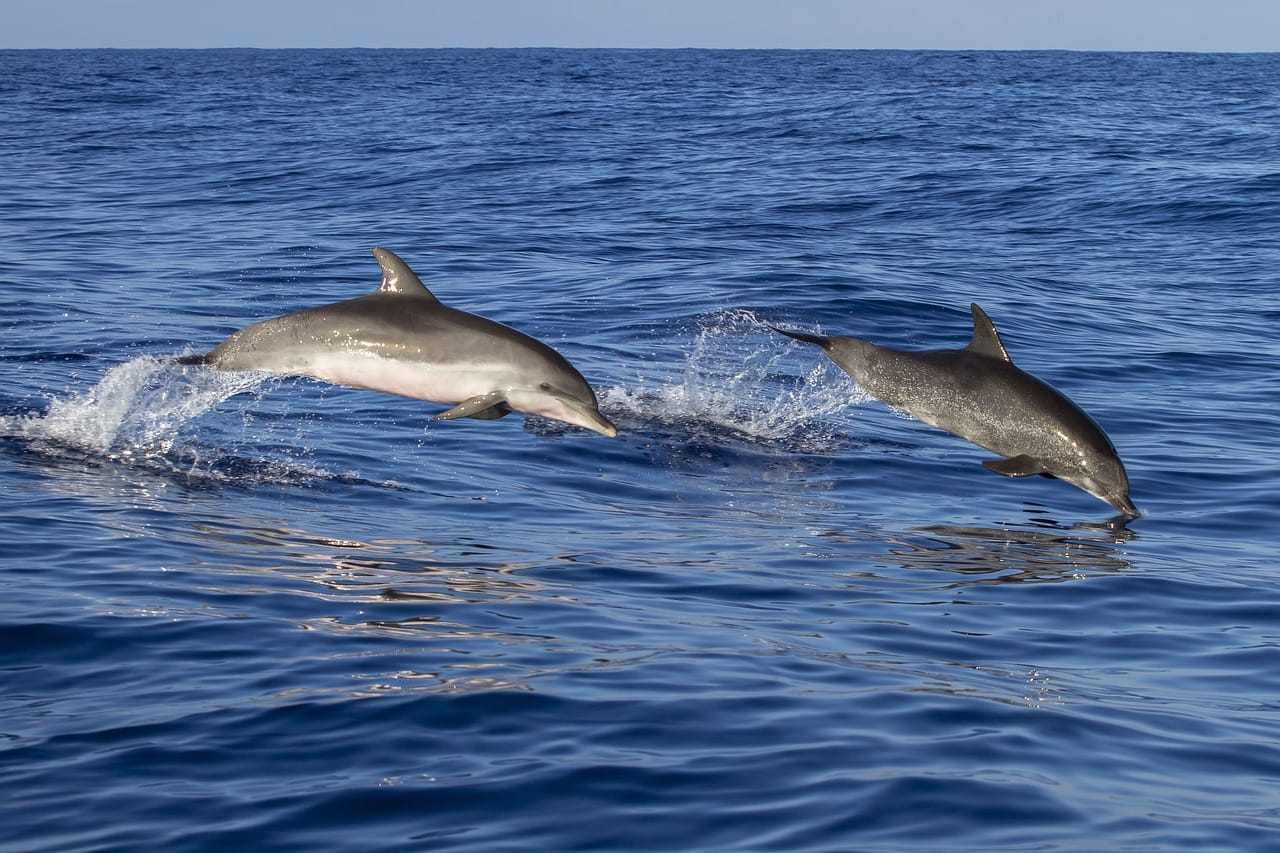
<point x="242" y="612"/>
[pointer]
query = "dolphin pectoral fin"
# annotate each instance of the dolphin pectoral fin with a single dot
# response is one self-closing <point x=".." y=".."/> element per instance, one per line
<point x="1018" y="466"/>
<point x="484" y="407"/>
<point x="501" y="410"/>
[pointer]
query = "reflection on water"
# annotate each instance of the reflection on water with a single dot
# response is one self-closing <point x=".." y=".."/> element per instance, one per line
<point x="458" y="572"/>
<point x="405" y="614"/>
<point x="1005" y="554"/>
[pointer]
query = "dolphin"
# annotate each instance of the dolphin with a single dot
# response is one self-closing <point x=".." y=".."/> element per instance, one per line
<point x="402" y="340"/>
<point x="978" y="394"/>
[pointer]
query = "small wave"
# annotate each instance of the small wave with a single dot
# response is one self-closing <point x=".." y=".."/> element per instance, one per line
<point x="738" y="385"/>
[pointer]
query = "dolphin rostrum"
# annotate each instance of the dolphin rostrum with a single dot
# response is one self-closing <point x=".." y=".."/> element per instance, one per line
<point x="978" y="394"/>
<point x="402" y="340"/>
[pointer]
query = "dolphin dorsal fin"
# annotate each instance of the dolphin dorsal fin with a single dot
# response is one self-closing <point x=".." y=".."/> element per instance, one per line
<point x="986" y="340"/>
<point x="397" y="277"/>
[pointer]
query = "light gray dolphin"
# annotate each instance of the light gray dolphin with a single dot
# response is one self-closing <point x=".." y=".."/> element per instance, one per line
<point x="402" y="340"/>
<point x="978" y="394"/>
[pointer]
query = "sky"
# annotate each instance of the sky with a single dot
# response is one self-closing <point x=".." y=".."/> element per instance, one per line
<point x="1182" y="25"/>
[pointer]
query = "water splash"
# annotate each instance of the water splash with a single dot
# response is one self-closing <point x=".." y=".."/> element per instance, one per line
<point x="739" y="383"/>
<point x="136" y="410"/>
<point x="144" y="414"/>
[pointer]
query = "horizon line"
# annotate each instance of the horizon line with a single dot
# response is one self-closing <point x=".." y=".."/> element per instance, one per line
<point x="1204" y="51"/>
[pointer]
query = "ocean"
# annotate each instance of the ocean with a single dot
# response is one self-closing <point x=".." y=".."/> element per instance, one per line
<point x="240" y="611"/>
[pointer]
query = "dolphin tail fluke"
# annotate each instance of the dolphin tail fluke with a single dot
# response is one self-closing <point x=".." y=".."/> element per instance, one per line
<point x="820" y="340"/>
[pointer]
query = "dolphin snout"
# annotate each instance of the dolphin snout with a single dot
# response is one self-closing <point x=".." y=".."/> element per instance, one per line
<point x="593" y="420"/>
<point x="1124" y="506"/>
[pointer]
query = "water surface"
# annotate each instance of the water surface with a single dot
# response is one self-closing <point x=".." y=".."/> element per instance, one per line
<point x="241" y="611"/>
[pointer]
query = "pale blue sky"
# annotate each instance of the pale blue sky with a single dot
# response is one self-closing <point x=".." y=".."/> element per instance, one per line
<point x="1197" y="25"/>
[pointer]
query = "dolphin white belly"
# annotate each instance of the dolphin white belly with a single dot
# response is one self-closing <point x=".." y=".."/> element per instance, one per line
<point x="449" y="384"/>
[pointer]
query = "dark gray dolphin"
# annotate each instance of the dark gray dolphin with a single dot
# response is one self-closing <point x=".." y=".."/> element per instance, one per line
<point x="978" y="394"/>
<point x="402" y="340"/>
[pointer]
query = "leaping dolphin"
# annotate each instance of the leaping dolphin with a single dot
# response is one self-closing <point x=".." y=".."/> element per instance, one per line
<point x="401" y="339"/>
<point x="978" y="394"/>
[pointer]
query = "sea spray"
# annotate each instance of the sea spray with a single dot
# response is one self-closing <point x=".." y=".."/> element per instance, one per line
<point x="136" y="410"/>
<point x="146" y="414"/>
<point x="740" y="382"/>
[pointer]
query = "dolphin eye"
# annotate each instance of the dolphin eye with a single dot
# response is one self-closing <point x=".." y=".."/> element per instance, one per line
<point x="545" y="386"/>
